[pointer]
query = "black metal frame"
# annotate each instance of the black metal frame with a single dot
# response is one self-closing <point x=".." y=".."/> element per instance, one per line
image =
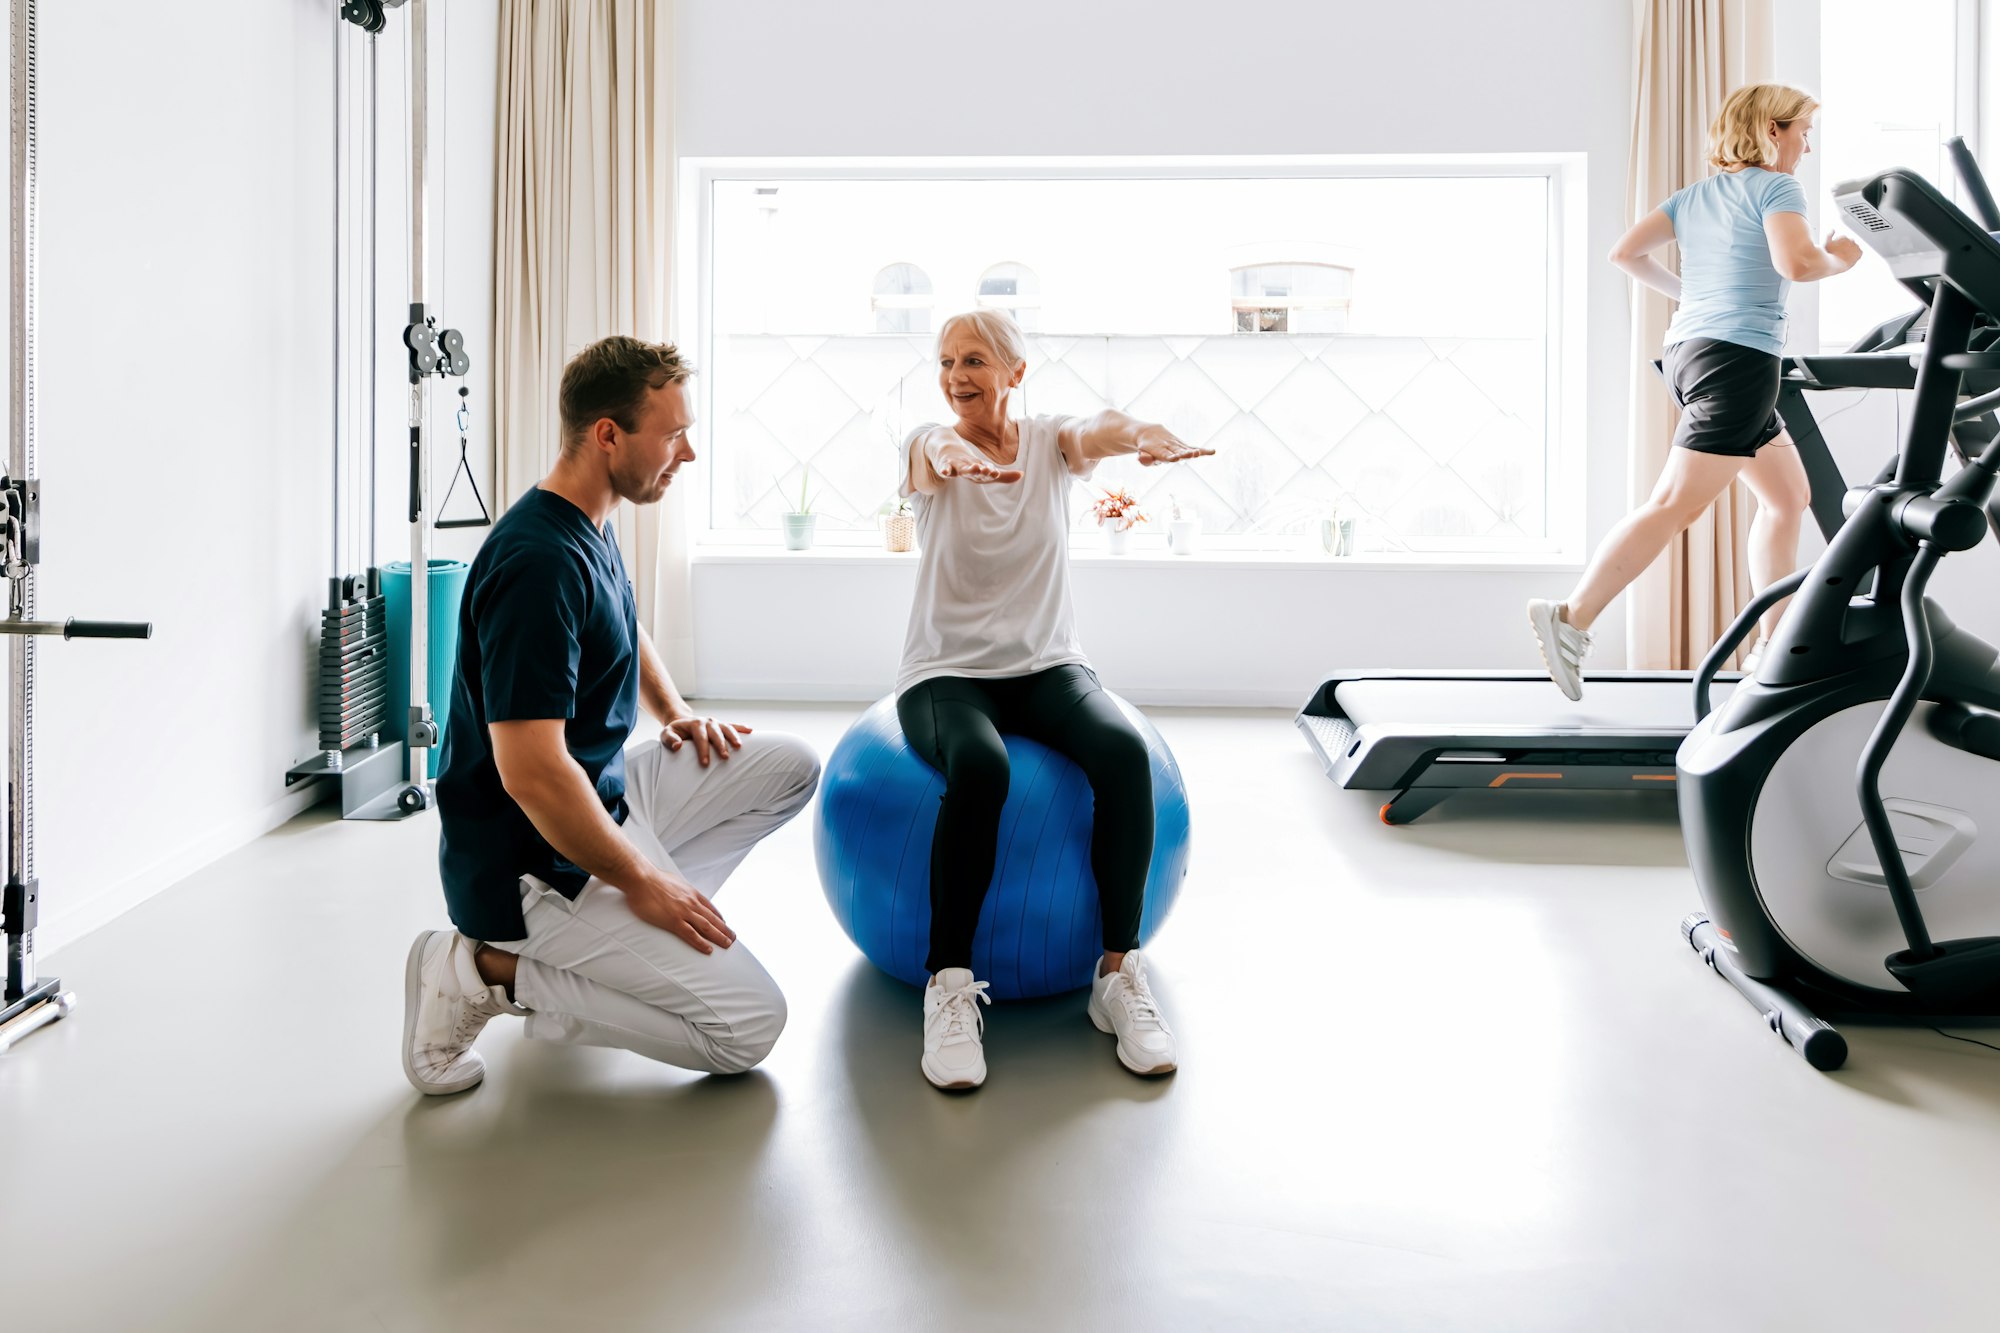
<point x="1861" y="631"/>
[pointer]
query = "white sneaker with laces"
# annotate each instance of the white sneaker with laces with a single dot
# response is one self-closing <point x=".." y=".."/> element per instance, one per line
<point x="446" y="1004"/>
<point x="1563" y="645"/>
<point x="953" y="1055"/>
<point x="1122" y="1004"/>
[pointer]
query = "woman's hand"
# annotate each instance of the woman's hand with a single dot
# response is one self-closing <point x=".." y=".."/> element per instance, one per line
<point x="1157" y="444"/>
<point x="1844" y="248"/>
<point x="961" y="462"/>
<point x="705" y="734"/>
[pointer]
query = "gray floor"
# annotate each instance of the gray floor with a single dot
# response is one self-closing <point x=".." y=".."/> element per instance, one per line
<point x="1462" y="1075"/>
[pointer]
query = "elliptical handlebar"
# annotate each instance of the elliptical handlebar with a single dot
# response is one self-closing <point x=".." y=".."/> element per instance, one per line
<point x="1975" y="182"/>
<point x="1738" y="630"/>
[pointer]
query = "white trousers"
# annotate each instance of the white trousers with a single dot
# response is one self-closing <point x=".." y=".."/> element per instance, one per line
<point x="596" y="975"/>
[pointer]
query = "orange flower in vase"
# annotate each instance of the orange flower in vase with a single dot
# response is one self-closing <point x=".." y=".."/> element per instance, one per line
<point x="1117" y="512"/>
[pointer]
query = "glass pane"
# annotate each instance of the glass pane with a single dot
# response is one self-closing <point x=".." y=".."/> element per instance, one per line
<point x="902" y="280"/>
<point x="1886" y="82"/>
<point x="1406" y="388"/>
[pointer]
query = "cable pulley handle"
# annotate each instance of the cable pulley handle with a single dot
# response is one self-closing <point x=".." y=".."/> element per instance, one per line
<point x="80" y="629"/>
<point x="108" y="629"/>
<point x="485" y="519"/>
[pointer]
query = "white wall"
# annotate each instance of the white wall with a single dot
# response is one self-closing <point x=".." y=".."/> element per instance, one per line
<point x="185" y="383"/>
<point x="186" y="428"/>
<point x="770" y="78"/>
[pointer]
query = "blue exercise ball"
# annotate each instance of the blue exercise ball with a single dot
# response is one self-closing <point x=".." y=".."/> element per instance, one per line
<point x="1040" y="928"/>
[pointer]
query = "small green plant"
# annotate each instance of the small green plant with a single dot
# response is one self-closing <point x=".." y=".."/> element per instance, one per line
<point x="804" y="506"/>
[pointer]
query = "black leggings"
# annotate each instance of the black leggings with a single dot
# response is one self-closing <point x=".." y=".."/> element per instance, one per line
<point x="955" y="722"/>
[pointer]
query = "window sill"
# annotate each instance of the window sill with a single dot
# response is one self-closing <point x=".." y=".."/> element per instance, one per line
<point x="1455" y="562"/>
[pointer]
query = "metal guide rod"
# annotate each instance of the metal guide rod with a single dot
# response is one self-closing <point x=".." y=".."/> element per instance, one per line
<point x="420" y="400"/>
<point x="21" y="465"/>
<point x="340" y="444"/>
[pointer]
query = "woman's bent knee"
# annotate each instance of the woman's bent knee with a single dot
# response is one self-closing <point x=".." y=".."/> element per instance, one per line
<point x="978" y="774"/>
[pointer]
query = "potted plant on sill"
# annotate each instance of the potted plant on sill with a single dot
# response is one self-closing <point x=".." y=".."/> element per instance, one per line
<point x="899" y="525"/>
<point x="1117" y="513"/>
<point x="799" y="520"/>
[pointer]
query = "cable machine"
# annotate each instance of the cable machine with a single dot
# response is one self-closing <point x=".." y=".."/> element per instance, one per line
<point x="28" y="1002"/>
<point x="354" y="640"/>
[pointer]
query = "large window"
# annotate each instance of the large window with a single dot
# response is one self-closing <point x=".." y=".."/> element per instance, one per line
<point x="1408" y="386"/>
<point x="1891" y="93"/>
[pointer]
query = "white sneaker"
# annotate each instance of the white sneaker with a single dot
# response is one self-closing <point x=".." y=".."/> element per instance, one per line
<point x="445" y="1006"/>
<point x="953" y="1056"/>
<point x="1122" y="1004"/>
<point x="1752" y="658"/>
<point x="1563" y="645"/>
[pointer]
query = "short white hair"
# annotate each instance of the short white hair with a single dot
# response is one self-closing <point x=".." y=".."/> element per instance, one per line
<point x="995" y="328"/>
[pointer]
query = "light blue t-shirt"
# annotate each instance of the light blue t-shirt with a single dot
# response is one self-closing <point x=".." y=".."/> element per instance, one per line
<point x="1729" y="288"/>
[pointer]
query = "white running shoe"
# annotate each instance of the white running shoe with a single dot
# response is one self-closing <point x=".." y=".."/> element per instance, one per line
<point x="953" y="1056"/>
<point x="1122" y="1004"/>
<point x="1563" y="645"/>
<point x="445" y="1006"/>
<point x="1752" y="658"/>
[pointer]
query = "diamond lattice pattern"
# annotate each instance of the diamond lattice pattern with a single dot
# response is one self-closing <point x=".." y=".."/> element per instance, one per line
<point x="1426" y="441"/>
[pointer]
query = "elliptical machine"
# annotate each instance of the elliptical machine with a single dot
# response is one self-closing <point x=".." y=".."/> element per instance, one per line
<point x="1833" y="807"/>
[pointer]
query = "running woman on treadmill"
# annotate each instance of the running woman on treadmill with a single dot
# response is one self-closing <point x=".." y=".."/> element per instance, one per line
<point x="1743" y="240"/>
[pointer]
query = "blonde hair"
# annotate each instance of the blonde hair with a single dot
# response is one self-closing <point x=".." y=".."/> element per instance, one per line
<point x="1737" y="137"/>
<point x="995" y="328"/>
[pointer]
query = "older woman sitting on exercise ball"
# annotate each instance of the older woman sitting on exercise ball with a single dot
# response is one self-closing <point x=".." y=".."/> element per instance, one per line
<point x="993" y="647"/>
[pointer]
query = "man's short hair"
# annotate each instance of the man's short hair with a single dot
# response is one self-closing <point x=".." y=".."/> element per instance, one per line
<point x="611" y="378"/>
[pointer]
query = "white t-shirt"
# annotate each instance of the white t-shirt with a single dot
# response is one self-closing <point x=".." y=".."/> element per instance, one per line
<point x="993" y="569"/>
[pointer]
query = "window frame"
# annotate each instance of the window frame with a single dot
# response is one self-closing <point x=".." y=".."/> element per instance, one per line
<point x="1565" y="175"/>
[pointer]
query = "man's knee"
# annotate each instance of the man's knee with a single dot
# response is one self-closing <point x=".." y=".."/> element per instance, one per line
<point x="800" y="763"/>
<point x="748" y="1040"/>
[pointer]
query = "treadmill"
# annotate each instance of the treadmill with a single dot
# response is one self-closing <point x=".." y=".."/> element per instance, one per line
<point x="1423" y="736"/>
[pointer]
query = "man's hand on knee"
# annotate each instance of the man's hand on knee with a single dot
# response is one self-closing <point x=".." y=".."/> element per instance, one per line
<point x="705" y="734"/>
<point x="677" y="907"/>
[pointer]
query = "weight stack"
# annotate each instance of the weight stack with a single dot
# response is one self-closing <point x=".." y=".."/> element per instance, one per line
<point x="353" y="662"/>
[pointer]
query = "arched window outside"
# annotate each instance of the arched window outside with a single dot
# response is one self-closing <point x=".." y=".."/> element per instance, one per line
<point x="1291" y="298"/>
<point x="903" y="299"/>
<point x="1016" y="289"/>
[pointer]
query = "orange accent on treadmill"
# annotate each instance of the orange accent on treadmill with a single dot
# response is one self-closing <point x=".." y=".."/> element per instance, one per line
<point x="1505" y="778"/>
<point x="1653" y="777"/>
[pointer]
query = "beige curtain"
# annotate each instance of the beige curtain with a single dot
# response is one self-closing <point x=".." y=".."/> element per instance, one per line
<point x="583" y="230"/>
<point x="1688" y="56"/>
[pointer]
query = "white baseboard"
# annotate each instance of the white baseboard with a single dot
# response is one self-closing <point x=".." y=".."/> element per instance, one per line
<point x="793" y="692"/>
<point x="61" y="928"/>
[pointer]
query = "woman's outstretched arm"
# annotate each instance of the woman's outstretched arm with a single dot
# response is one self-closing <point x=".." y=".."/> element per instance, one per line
<point x="1086" y="441"/>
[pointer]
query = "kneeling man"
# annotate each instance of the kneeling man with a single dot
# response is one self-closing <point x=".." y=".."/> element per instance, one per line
<point x="579" y="877"/>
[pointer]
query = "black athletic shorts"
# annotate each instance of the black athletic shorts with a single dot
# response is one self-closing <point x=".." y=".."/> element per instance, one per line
<point x="1728" y="395"/>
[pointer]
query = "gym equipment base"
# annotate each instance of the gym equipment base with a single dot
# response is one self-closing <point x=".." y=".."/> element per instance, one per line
<point x="370" y="779"/>
<point x="40" y="1007"/>
<point x="1796" y="1021"/>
